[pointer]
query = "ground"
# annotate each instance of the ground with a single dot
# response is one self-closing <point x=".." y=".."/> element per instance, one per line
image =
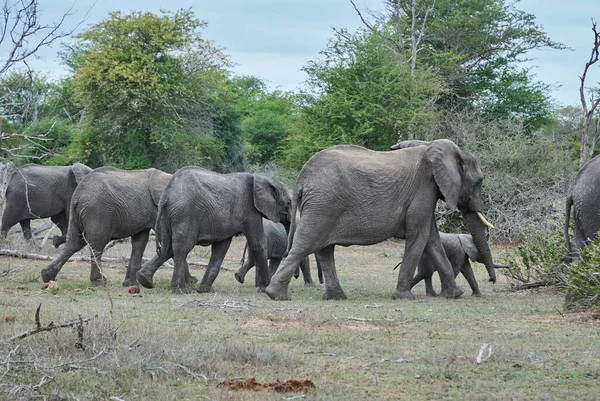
<point x="157" y="345"/>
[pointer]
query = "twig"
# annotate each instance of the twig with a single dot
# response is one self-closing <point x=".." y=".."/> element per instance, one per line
<point x="51" y="326"/>
<point x="7" y="362"/>
<point x="194" y="375"/>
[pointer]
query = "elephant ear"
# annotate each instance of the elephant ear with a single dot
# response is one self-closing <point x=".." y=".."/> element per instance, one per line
<point x="409" y="144"/>
<point x="265" y="198"/>
<point x="79" y="171"/>
<point x="445" y="160"/>
<point x="466" y="241"/>
<point x="157" y="182"/>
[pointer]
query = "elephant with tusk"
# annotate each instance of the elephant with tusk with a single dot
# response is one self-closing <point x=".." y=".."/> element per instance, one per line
<point x="349" y="195"/>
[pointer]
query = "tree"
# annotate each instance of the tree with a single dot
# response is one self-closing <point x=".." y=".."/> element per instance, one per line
<point x="361" y="93"/>
<point x="154" y="92"/>
<point x="588" y="112"/>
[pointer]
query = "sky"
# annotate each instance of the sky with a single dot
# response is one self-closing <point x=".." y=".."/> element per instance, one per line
<point x="274" y="39"/>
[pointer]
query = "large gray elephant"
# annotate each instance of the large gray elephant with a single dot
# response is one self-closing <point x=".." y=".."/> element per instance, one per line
<point x="110" y="204"/>
<point x="276" y="238"/>
<point x="583" y="196"/>
<point x="349" y="195"/>
<point x="37" y="192"/>
<point x="201" y="207"/>
<point x="459" y="248"/>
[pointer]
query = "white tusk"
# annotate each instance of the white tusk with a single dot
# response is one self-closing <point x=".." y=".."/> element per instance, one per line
<point x="484" y="221"/>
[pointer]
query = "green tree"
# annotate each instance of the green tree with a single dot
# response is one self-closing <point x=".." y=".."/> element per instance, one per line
<point x="361" y="93"/>
<point x="154" y="92"/>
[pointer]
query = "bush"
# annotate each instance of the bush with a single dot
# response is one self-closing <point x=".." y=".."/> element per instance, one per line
<point x="584" y="278"/>
<point x="540" y="260"/>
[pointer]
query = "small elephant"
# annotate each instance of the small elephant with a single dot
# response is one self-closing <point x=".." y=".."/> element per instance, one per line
<point x="201" y="207"/>
<point x="110" y="204"/>
<point x="459" y="249"/>
<point x="276" y="238"/>
<point x="37" y="192"/>
<point x="349" y="195"/>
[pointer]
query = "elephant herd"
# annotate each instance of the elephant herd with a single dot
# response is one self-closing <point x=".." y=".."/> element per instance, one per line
<point x="345" y="195"/>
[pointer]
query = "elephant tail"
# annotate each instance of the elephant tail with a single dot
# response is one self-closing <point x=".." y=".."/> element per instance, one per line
<point x="569" y="203"/>
<point x="163" y="229"/>
<point x="292" y="231"/>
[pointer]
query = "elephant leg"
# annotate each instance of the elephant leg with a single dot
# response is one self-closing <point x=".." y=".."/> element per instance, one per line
<point x="333" y="290"/>
<point x="63" y="224"/>
<point x="138" y="245"/>
<point x="217" y="254"/>
<point x="96" y="275"/>
<point x="305" y="268"/>
<point x="26" y="227"/>
<point x="278" y="287"/>
<point x="429" y="291"/>
<point x="467" y="272"/>
<point x="74" y="244"/>
<point x="273" y="265"/>
<point x="146" y="274"/>
<point x="421" y="275"/>
<point x="240" y="275"/>
<point x="258" y="249"/>
<point x="416" y="240"/>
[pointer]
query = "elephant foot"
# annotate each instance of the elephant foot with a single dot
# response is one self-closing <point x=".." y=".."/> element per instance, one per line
<point x="191" y="280"/>
<point x="431" y="293"/>
<point x="336" y="295"/>
<point x="181" y="289"/>
<point x="476" y="294"/>
<point x="309" y="284"/>
<point x="204" y="289"/>
<point x="129" y="282"/>
<point x="48" y="275"/>
<point x="452" y="292"/>
<point x="101" y="282"/>
<point x="277" y="293"/>
<point x="144" y="280"/>
<point x="239" y="277"/>
<point x="403" y="294"/>
<point x="57" y="240"/>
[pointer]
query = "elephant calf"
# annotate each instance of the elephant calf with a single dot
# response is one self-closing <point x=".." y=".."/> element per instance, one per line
<point x="37" y="192"/>
<point x="459" y="249"/>
<point x="276" y="238"/>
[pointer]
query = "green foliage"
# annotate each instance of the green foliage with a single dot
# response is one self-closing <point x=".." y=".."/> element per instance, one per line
<point x="361" y="93"/>
<point x="155" y="94"/>
<point x="540" y="258"/>
<point x="584" y="278"/>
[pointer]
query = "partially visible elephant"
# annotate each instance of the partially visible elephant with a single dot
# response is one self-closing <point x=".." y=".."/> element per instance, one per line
<point x="37" y="192"/>
<point x="583" y="196"/>
<point x="276" y="238"/>
<point x="201" y="207"/>
<point x="110" y="204"/>
<point x="459" y="248"/>
<point x="349" y="195"/>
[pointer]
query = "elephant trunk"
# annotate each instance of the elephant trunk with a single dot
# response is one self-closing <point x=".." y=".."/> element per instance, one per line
<point x="477" y="229"/>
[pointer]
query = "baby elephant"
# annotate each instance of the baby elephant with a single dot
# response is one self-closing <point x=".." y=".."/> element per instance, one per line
<point x="276" y="245"/>
<point x="459" y="249"/>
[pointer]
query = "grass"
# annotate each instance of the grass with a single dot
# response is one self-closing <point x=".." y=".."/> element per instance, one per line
<point x="156" y="345"/>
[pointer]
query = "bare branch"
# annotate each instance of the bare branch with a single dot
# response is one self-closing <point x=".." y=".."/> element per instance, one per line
<point x="51" y="326"/>
<point x="588" y="113"/>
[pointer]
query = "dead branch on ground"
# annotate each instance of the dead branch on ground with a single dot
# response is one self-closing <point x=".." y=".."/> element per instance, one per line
<point x="51" y="326"/>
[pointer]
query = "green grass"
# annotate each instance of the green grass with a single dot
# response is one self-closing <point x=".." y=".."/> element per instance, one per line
<point x="157" y="345"/>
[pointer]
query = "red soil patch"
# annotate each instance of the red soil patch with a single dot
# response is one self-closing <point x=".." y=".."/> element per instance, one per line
<point x="296" y="386"/>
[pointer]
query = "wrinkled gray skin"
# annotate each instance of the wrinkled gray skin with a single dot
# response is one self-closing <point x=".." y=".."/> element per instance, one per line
<point x="201" y="207"/>
<point x="111" y="204"/>
<point x="349" y="195"/>
<point x="37" y="192"/>
<point x="276" y="238"/>
<point x="459" y="248"/>
<point x="583" y="197"/>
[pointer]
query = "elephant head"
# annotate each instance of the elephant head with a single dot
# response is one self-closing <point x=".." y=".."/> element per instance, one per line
<point x="79" y="171"/>
<point x="272" y="200"/>
<point x="459" y="180"/>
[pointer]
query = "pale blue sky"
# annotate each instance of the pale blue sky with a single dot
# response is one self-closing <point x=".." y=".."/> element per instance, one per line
<point x="273" y="39"/>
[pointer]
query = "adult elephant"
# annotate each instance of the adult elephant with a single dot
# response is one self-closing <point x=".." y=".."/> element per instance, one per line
<point x="459" y="248"/>
<point x="37" y="192"/>
<point x="583" y="197"/>
<point x="110" y="204"/>
<point x="276" y="237"/>
<point x="201" y="207"/>
<point x="349" y="195"/>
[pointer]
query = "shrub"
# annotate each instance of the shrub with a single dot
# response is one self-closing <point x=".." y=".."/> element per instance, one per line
<point x="584" y="278"/>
